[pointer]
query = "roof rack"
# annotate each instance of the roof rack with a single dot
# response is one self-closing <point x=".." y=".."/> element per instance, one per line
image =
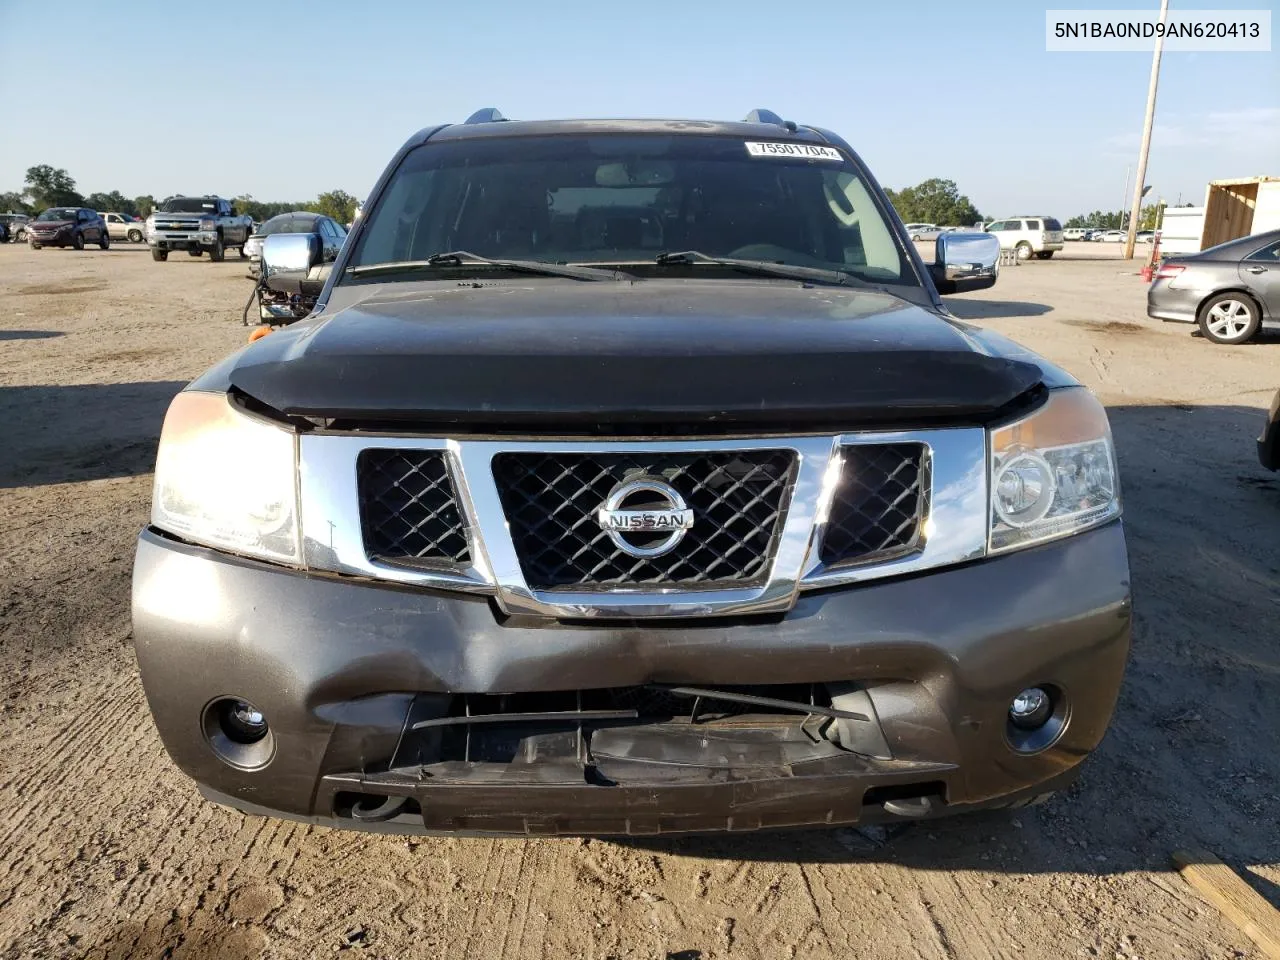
<point x="486" y="115"/>
<point x="768" y="116"/>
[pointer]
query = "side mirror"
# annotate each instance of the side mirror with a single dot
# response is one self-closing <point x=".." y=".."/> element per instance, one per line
<point x="287" y="259"/>
<point x="965" y="261"/>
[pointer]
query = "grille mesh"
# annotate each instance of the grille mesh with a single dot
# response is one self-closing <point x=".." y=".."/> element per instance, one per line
<point x="880" y="506"/>
<point x="408" y="509"/>
<point x="738" y="497"/>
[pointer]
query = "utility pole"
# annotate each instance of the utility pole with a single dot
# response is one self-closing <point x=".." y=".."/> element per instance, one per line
<point x="1127" y="170"/>
<point x="1139" y="186"/>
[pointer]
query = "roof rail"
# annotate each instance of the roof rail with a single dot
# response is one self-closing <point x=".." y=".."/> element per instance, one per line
<point x="486" y="115"/>
<point x="768" y="116"/>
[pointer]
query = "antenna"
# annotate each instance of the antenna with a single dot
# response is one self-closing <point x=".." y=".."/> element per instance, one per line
<point x="486" y="115"/>
<point x="768" y="116"/>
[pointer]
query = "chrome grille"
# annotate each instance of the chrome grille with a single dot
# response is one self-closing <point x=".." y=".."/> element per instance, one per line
<point x="408" y="509"/>
<point x="879" y="508"/>
<point x="738" y="497"/>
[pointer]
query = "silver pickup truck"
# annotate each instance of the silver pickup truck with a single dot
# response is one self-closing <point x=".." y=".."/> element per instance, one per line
<point x="197" y="225"/>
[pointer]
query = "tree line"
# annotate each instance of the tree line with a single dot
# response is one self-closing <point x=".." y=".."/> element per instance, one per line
<point x="47" y="186"/>
<point x="934" y="201"/>
<point x="1150" y="219"/>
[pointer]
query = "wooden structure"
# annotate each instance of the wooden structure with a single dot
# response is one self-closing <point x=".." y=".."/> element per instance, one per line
<point x="1238" y="208"/>
<point x="1240" y="903"/>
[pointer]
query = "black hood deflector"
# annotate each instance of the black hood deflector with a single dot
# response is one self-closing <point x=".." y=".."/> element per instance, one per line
<point x="584" y="357"/>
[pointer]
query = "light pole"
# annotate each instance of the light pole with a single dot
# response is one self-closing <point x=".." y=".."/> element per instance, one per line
<point x="1139" y="186"/>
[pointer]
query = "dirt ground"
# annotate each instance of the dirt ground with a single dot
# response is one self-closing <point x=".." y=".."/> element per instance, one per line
<point x="107" y="851"/>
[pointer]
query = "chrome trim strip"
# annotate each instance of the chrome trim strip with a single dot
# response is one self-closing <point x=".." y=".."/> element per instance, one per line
<point x="330" y="510"/>
<point x="955" y="531"/>
<point x="956" y="528"/>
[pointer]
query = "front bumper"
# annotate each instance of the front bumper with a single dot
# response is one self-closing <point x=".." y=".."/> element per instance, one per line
<point x="181" y="241"/>
<point x="342" y="667"/>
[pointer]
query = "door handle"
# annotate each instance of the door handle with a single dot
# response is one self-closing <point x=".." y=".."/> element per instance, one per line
<point x="1256" y="269"/>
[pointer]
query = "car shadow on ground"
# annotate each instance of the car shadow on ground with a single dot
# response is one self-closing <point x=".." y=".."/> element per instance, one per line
<point x="1189" y="759"/>
<point x="972" y="309"/>
<point x="92" y="431"/>
<point x="30" y="334"/>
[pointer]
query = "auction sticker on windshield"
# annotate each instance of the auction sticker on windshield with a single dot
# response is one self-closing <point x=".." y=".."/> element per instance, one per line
<point x="803" y="151"/>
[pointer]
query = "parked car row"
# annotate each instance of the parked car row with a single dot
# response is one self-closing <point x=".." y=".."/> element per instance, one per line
<point x="69" y="226"/>
<point x="1106" y="236"/>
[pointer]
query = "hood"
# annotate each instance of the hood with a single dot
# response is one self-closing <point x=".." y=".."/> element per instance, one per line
<point x="39" y="225"/>
<point x="601" y="356"/>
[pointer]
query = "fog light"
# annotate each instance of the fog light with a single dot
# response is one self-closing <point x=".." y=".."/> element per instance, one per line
<point x="1030" y="709"/>
<point x="242" y="721"/>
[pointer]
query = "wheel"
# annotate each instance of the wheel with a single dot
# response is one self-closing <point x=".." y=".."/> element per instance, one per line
<point x="77" y="240"/>
<point x="135" y="236"/>
<point x="1045" y="254"/>
<point x="104" y="241"/>
<point x="217" y="251"/>
<point x="159" y="256"/>
<point x="1229" y="318"/>
<point x="1023" y="250"/>
<point x="34" y="245"/>
<point x="240" y="250"/>
<point x="915" y="237"/>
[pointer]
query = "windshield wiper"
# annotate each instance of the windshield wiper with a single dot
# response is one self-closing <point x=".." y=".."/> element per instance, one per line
<point x="462" y="258"/>
<point x="763" y="268"/>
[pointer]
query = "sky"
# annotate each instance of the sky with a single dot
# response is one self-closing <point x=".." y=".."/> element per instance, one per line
<point x="285" y="99"/>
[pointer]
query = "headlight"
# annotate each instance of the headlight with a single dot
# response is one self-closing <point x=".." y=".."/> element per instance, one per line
<point x="208" y="224"/>
<point x="225" y="479"/>
<point x="1052" y="474"/>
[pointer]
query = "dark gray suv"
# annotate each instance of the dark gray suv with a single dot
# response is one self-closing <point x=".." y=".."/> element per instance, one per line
<point x="630" y="477"/>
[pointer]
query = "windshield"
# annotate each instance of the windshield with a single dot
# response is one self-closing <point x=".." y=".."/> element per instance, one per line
<point x="287" y="224"/>
<point x="625" y="198"/>
<point x="59" y="213"/>
<point x="187" y="205"/>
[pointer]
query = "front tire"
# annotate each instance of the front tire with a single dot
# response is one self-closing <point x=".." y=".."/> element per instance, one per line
<point x="135" y="236"/>
<point x="34" y="245"/>
<point x="159" y="256"/>
<point x="1229" y="318"/>
<point x="1023" y="251"/>
<point x="217" y="252"/>
<point x="77" y="241"/>
<point x="104" y="241"/>
<point x="1045" y="254"/>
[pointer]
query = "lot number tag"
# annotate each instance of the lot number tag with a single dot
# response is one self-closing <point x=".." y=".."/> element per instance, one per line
<point x="797" y="151"/>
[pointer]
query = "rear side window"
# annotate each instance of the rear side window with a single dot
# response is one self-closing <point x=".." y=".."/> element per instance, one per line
<point x="1270" y="254"/>
<point x="1051" y="224"/>
<point x="1033" y="224"/>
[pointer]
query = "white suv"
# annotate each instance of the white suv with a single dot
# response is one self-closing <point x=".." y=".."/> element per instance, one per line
<point x="1041" y="236"/>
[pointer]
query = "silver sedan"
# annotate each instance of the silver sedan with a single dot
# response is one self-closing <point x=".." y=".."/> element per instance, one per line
<point x="1232" y="290"/>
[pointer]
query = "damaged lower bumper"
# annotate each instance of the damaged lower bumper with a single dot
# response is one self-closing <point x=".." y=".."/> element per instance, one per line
<point x="403" y="710"/>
